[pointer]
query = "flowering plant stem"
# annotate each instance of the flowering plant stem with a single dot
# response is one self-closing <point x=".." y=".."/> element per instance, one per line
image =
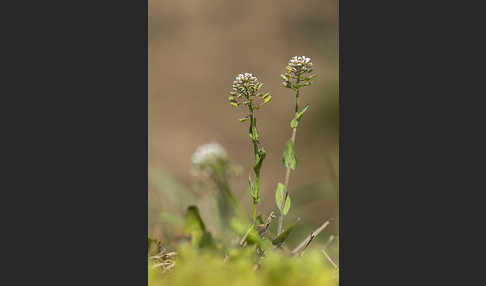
<point x="219" y="175"/>
<point x="245" y="92"/>
<point x="288" y="168"/>
<point x="256" y="152"/>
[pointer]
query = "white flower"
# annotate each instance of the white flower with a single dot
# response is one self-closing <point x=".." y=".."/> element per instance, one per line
<point x="299" y="65"/>
<point x="245" y="84"/>
<point x="208" y="153"/>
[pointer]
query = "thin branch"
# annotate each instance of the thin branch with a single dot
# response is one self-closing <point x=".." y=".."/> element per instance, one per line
<point x="243" y="239"/>
<point x="329" y="241"/>
<point x="303" y="245"/>
<point x="264" y="227"/>
<point x="329" y="259"/>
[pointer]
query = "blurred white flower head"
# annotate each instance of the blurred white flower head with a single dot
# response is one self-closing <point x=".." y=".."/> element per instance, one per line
<point x="208" y="153"/>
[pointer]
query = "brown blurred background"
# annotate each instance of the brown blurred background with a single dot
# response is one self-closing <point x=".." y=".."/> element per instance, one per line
<point x="196" y="48"/>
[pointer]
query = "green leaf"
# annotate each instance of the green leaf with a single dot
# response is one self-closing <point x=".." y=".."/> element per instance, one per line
<point x="264" y="244"/>
<point x="206" y="241"/>
<point x="287" y="205"/>
<point x="259" y="219"/>
<point x="253" y="193"/>
<point x="255" y="133"/>
<point x="193" y="221"/>
<point x="279" y="195"/>
<point x="267" y="99"/>
<point x="260" y="157"/>
<point x="294" y="123"/>
<point x="263" y="95"/>
<point x="194" y="225"/>
<point x="241" y="226"/>
<point x="243" y="119"/>
<point x="289" y="159"/>
<point x="301" y="113"/>
<point x="284" y="235"/>
<point x="234" y="104"/>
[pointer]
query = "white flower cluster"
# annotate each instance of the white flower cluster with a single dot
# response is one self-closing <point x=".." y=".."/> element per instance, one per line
<point x="299" y="65"/>
<point x="208" y="153"/>
<point x="246" y="84"/>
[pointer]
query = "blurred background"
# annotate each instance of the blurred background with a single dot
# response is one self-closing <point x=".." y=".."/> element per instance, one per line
<point x="196" y="48"/>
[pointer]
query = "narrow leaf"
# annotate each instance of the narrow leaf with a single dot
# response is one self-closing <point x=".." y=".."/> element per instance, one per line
<point x="255" y="133"/>
<point x="279" y="194"/>
<point x="301" y="113"/>
<point x="287" y="205"/>
<point x="260" y="157"/>
<point x="284" y="235"/>
<point x="264" y="95"/>
<point x="289" y="159"/>
<point x="252" y="188"/>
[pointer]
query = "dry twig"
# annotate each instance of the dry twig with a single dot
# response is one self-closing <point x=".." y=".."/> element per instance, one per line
<point x="303" y="245"/>
<point x="243" y="239"/>
<point x="329" y="259"/>
<point x="264" y="227"/>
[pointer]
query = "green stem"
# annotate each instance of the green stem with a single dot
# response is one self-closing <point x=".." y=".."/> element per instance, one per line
<point x="255" y="151"/>
<point x="287" y="171"/>
<point x="254" y="212"/>
<point x="253" y="124"/>
<point x="224" y="186"/>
